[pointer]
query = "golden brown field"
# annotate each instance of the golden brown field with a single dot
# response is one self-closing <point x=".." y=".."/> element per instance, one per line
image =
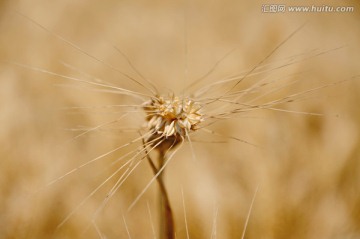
<point x="306" y="167"/>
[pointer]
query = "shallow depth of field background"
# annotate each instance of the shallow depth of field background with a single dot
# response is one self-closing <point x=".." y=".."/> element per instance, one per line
<point x="308" y="167"/>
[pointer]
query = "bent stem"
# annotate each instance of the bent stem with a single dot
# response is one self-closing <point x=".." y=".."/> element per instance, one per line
<point x="167" y="225"/>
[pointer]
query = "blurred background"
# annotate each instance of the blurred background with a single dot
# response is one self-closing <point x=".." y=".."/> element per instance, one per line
<point x="306" y="168"/>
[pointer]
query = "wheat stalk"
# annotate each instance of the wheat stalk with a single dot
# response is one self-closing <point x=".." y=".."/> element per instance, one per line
<point x="168" y="120"/>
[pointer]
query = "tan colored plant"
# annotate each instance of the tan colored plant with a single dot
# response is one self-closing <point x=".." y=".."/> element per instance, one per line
<point x="122" y="117"/>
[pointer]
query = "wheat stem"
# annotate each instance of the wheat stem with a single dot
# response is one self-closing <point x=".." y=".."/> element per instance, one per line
<point x="167" y="225"/>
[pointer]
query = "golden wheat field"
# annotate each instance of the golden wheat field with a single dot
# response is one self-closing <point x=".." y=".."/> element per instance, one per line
<point x="277" y="154"/>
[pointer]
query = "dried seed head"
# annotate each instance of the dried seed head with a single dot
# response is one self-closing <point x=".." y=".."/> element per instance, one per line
<point x="171" y="119"/>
